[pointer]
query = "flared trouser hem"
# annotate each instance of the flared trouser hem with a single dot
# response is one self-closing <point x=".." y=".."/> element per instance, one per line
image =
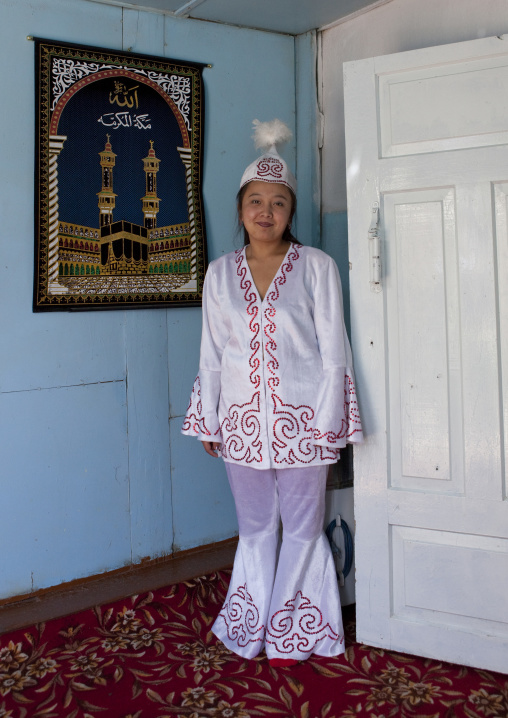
<point x="285" y="601"/>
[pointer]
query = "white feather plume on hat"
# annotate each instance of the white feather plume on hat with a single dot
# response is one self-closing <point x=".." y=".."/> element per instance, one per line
<point x="270" y="167"/>
<point x="268" y="134"/>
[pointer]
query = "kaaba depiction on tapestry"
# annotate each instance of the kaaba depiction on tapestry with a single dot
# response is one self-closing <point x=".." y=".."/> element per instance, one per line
<point x="119" y="219"/>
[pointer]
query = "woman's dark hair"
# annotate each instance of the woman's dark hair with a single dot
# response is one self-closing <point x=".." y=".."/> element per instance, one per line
<point x="287" y="236"/>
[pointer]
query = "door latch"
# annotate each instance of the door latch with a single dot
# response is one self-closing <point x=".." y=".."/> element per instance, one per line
<point x="375" y="250"/>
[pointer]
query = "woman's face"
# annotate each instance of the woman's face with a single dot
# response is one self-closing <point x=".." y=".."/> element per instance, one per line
<point x="266" y="211"/>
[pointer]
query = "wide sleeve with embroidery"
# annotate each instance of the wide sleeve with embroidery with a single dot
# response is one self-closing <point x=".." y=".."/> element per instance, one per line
<point x="201" y="419"/>
<point x="336" y="419"/>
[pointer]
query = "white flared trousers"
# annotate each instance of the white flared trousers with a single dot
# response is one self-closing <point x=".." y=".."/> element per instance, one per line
<point x="285" y="601"/>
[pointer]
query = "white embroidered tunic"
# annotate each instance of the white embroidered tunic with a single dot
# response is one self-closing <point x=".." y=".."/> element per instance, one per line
<point x="275" y="383"/>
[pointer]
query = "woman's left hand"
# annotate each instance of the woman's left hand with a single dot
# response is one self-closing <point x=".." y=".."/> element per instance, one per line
<point x="212" y="448"/>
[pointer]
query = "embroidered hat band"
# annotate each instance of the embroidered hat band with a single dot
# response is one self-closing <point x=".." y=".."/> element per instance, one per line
<point x="270" y="167"/>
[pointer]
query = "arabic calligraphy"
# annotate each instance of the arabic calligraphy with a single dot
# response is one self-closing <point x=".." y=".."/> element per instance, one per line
<point x="125" y="119"/>
<point x="124" y="96"/>
<point x="66" y="72"/>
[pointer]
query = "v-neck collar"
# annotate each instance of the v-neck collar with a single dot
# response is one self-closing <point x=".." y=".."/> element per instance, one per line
<point x="244" y="251"/>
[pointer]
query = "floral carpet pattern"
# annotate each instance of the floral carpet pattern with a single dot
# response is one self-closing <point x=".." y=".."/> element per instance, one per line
<point x="154" y="656"/>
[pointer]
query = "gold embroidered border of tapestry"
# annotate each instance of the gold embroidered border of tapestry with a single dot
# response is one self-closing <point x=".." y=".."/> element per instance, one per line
<point x="118" y="209"/>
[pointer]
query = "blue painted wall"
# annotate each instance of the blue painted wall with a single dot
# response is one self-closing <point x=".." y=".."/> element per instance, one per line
<point x="308" y="222"/>
<point x="334" y="241"/>
<point x="94" y="473"/>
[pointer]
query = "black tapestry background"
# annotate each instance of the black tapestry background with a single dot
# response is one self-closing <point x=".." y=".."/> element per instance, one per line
<point x="119" y="219"/>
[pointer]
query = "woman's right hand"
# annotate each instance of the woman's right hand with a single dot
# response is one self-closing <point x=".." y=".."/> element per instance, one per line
<point x="212" y="448"/>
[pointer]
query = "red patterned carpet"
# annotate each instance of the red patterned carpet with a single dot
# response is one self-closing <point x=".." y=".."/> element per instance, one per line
<point x="154" y="656"/>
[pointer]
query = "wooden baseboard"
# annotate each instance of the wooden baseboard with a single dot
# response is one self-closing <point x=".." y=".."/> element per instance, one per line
<point x="80" y="595"/>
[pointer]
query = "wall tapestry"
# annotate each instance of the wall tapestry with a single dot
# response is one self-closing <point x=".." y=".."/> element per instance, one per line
<point x="118" y="210"/>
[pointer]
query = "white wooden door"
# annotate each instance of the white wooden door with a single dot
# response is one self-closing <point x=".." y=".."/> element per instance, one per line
<point x="427" y="138"/>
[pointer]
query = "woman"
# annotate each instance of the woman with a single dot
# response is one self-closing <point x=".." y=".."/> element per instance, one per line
<point x="275" y="397"/>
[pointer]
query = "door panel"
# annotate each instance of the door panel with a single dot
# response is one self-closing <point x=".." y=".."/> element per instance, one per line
<point x="425" y="136"/>
<point x="429" y="109"/>
<point x="500" y="203"/>
<point x="422" y="321"/>
<point x="444" y="594"/>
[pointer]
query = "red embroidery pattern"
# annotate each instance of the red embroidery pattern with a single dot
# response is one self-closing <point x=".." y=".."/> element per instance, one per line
<point x="241" y="617"/>
<point x="290" y="423"/>
<point x="194" y="419"/>
<point x="294" y="436"/>
<point x="294" y="421"/>
<point x="242" y="420"/>
<point x="351" y="407"/>
<point x="270" y="312"/>
<point x="270" y="167"/>
<point x="298" y="627"/>
<point x="252" y="310"/>
<point x="350" y="424"/>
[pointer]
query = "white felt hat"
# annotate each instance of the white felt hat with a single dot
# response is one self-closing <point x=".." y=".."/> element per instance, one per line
<point x="270" y="167"/>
